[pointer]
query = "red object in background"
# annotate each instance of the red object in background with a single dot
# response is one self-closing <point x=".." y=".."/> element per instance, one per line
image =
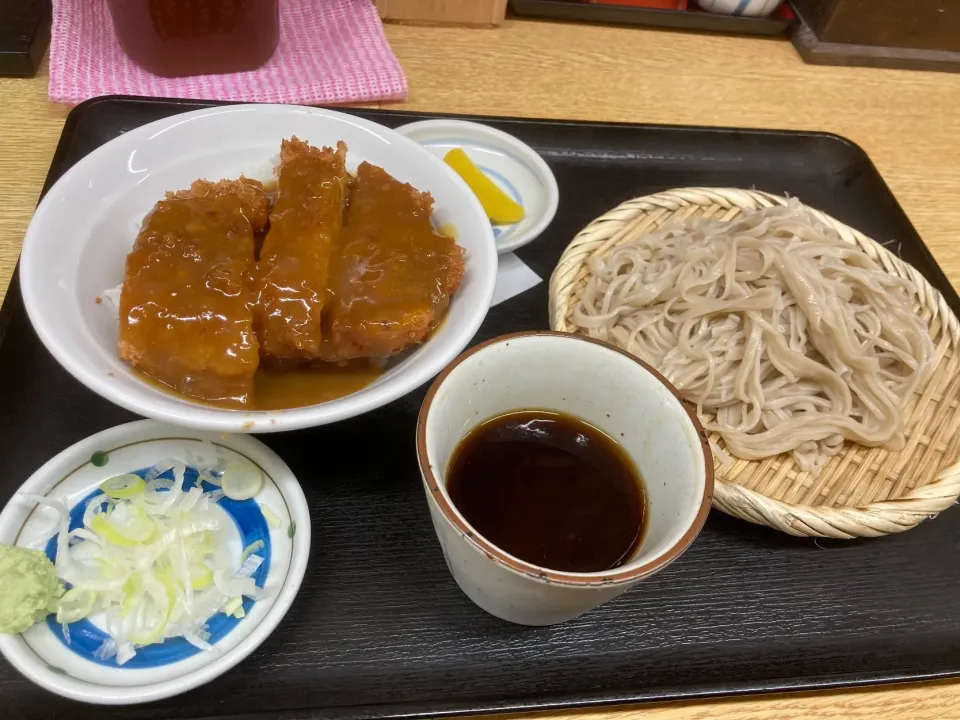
<point x="662" y="4"/>
<point x="784" y="11"/>
<point x="173" y="38"/>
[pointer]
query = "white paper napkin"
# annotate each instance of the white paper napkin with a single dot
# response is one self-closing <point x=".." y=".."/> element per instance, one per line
<point x="513" y="277"/>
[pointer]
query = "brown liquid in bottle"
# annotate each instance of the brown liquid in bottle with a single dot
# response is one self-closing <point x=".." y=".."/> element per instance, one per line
<point x="174" y="38"/>
<point x="549" y="489"/>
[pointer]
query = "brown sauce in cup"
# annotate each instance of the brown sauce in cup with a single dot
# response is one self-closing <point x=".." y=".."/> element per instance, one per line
<point x="549" y="489"/>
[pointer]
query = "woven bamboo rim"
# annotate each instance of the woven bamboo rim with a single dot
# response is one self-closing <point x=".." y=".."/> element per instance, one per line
<point x="862" y="492"/>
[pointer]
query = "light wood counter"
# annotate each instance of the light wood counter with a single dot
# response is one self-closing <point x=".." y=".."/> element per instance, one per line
<point x="908" y="122"/>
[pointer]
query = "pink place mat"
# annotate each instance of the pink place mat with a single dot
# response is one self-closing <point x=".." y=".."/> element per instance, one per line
<point x="331" y="51"/>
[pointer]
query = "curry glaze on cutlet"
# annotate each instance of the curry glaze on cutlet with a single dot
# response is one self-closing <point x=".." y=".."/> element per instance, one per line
<point x="299" y="250"/>
<point x="395" y="272"/>
<point x="186" y="308"/>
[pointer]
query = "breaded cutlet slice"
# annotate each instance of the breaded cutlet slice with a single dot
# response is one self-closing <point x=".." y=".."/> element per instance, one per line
<point x="396" y="273"/>
<point x="186" y="308"/>
<point x="299" y="249"/>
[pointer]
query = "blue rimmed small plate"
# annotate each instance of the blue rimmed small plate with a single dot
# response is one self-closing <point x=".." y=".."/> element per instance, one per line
<point x="71" y="669"/>
<point x="514" y="166"/>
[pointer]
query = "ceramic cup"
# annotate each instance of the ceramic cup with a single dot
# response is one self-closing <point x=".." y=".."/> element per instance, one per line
<point x="607" y="388"/>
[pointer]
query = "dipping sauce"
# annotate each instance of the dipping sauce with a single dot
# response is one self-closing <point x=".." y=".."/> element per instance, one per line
<point x="549" y="489"/>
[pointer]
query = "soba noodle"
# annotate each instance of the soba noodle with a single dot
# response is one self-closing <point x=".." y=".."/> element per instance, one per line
<point x="786" y="337"/>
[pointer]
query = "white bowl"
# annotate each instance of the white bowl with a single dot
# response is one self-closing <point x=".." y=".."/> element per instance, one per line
<point x="77" y="242"/>
<point x="755" y="8"/>
<point x="174" y="666"/>
<point x="609" y="389"/>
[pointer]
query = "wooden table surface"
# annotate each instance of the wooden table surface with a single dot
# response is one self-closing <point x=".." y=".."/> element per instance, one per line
<point x="908" y="122"/>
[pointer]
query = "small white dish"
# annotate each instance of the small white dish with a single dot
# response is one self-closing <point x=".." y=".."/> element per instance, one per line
<point x="753" y="8"/>
<point x="609" y="389"/>
<point x="77" y="243"/>
<point x="174" y="666"/>
<point x="513" y="165"/>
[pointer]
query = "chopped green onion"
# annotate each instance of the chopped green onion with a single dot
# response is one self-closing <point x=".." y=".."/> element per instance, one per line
<point x="152" y="560"/>
<point x="268" y="515"/>
<point x="231" y="607"/>
<point x="75" y="605"/>
<point x="241" y="481"/>
<point x="123" y="487"/>
<point x="250" y="550"/>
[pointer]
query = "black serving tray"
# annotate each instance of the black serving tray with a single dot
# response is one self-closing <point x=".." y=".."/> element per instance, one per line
<point x="24" y="35"/>
<point x="691" y="19"/>
<point x="379" y="628"/>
